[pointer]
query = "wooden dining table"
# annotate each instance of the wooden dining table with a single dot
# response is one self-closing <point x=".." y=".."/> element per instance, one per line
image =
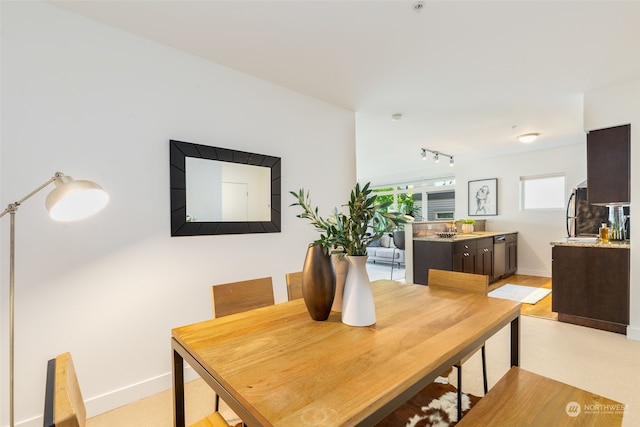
<point x="275" y="366"/>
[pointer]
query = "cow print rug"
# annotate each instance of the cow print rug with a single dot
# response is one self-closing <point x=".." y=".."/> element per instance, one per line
<point x="435" y="406"/>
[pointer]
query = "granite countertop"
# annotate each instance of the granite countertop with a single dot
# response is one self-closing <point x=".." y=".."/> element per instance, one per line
<point x="591" y="242"/>
<point x="462" y="236"/>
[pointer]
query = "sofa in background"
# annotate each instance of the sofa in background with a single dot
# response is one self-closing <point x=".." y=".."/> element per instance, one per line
<point x="385" y="250"/>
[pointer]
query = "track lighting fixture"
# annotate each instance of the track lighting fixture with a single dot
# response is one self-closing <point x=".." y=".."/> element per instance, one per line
<point x="436" y="155"/>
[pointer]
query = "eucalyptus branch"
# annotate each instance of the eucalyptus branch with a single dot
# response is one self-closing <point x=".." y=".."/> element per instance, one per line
<point x="326" y="228"/>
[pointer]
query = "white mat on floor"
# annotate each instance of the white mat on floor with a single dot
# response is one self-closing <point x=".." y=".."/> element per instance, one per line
<point x="525" y="294"/>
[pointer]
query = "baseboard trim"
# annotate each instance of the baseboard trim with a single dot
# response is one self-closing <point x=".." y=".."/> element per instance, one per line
<point x="116" y="398"/>
<point x="633" y="333"/>
<point x="593" y="323"/>
<point x="529" y="272"/>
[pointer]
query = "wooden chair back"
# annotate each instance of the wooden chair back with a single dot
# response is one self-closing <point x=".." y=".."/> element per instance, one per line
<point x="294" y="285"/>
<point x="64" y="406"/>
<point x="237" y="297"/>
<point x="476" y="283"/>
<point x="63" y="403"/>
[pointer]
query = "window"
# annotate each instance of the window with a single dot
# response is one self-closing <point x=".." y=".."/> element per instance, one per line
<point x="542" y="192"/>
<point x="444" y="215"/>
<point x="415" y="198"/>
<point x="400" y="197"/>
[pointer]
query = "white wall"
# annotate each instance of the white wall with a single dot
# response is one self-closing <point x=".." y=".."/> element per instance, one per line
<point x="97" y="103"/>
<point x="535" y="229"/>
<point x="612" y="106"/>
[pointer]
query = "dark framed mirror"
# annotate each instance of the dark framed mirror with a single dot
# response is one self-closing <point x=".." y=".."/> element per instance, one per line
<point x="223" y="191"/>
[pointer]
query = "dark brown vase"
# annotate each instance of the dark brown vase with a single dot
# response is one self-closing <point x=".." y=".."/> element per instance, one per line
<point x="318" y="283"/>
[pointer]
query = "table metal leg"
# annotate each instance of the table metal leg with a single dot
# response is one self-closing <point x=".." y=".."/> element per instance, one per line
<point x="178" y="390"/>
<point x="515" y="342"/>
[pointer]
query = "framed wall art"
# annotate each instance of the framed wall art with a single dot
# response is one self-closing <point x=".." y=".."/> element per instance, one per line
<point x="483" y="197"/>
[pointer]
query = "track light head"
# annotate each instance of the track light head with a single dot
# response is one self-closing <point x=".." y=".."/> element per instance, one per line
<point x="436" y="155"/>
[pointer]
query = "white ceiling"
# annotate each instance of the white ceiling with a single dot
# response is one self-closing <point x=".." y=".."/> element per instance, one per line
<point x="462" y="73"/>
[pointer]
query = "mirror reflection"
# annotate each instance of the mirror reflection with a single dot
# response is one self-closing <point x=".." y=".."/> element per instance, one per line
<point x="222" y="191"/>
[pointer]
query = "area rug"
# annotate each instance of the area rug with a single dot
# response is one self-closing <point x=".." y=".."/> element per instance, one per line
<point x="519" y="293"/>
<point x="435" y="406"/>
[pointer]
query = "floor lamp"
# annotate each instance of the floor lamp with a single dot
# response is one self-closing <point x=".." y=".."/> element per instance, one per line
<point x="70" y="200"/>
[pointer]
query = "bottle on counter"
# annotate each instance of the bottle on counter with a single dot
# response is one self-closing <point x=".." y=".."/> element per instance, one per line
<point x="604" y="233"/>
<point x="617" y="220"/>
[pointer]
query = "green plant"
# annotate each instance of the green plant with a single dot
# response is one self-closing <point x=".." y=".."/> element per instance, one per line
<point x="328" y="229"/>
<point x="366" y="221"/>
<point x="468" y="221"/>
<point x="351" y="233"/>
<point x="405" y="201"/>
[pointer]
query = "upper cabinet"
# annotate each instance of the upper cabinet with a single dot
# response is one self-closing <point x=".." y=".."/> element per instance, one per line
<point x="608" y="165"/>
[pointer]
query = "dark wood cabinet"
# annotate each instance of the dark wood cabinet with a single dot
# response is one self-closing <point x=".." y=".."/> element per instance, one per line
<point x="473" y="255"/>
<point x="430" y="254"/>
<point x="511" y="253"/>
<point x="484" y="257"/>
<point x="608" y="165"/>
<point x="464" y="256"/>
<point x="591" y="286"/>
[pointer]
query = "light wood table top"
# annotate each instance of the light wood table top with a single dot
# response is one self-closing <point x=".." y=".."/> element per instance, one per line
<point x="276" y="366"/>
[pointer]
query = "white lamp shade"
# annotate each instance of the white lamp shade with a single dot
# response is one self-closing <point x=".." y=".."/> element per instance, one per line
<point x="75" y="200"/>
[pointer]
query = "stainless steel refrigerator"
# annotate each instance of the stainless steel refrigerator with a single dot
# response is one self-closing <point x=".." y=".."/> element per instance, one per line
<point x="583" y="219"/>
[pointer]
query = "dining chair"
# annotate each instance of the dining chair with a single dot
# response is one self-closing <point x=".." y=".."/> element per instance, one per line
<point x="467" y="282"/>
<point x="294" y="285"/>
<point x="64" y="405"/>
<point x="238" y="297"/>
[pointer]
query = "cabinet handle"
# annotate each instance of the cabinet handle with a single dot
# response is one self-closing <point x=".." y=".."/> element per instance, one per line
<point x="466" y="254"/>
<point x="486" y="250"/>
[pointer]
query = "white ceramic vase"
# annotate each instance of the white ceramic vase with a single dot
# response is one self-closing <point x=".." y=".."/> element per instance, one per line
<point x="341" y="267"/>
<point x="358" y="307"/>
<point x="467" y="228"/>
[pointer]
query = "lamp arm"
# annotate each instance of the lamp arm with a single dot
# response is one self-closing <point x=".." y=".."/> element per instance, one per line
<point x="12" y="207"/>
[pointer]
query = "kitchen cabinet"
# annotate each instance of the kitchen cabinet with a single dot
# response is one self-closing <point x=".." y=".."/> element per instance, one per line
<point x="474" y="256"/>
<point x="484" y="257"/>
<point x="464" y="256"/>
<point x="591" y="286"/>
<point x="468" y="255"/>
<point x="511" y="254"/>
<point x="608" y="165"/>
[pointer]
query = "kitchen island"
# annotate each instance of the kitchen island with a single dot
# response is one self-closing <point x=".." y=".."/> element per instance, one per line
<point x="590" y="281"/>
<point x="489" y="253"/>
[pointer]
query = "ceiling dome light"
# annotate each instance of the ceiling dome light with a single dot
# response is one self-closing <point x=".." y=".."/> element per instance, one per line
<point x="528" y="137"/>
<point x="396" y="117"/>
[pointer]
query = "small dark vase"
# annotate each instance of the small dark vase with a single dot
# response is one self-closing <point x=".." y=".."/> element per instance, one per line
<point x="318" y="283"/>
